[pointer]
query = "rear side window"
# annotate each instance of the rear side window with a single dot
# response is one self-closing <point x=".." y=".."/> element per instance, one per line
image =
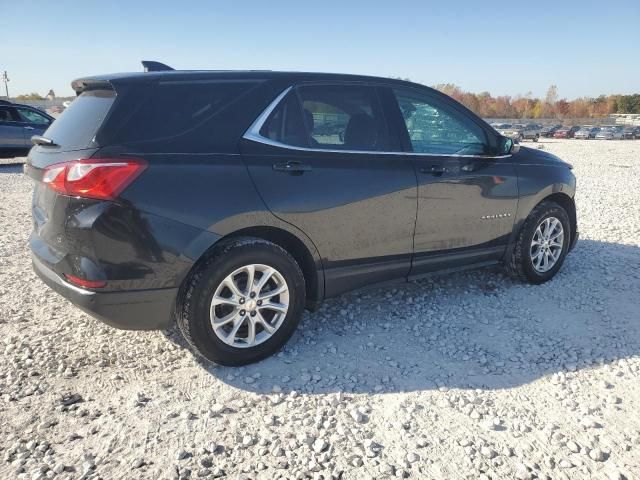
<point x="286" y="125"/>
<point x="76" y="128"/>
<point x="329" y="117"/>
<point x="345" y="117"/>
<point x="8" y="115"/>
<point x="172" y="109"/>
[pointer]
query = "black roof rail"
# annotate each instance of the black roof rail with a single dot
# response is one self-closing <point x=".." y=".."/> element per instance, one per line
<point x="5" y="102"/>
<point x="151" y="66"/>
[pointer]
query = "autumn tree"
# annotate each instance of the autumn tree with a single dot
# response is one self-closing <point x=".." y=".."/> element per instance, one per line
<point x="487" y="106"/>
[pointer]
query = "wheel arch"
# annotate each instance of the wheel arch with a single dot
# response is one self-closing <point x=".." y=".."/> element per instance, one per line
<point x="562" y="199"/>
<point x="305" y="255"/>
<point x="566" y="202"/>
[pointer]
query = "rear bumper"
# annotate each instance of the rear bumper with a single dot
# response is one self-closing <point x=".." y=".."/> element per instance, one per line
<point x="129" y="310"/>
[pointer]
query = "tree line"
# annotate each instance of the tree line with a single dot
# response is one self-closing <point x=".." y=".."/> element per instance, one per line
<point x="488" y="106"/>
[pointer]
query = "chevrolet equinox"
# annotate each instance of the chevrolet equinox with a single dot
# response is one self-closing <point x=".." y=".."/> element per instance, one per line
<point x="231" y="201"/>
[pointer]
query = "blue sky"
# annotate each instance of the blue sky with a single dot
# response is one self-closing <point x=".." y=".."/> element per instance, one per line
<point x="584" y="47"/>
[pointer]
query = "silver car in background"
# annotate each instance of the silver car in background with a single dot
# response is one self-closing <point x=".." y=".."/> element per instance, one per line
<point x="531" y="131"/>
<point x="586" y="133"/>
<point x="610" y="133"/>
<point x="511" y="131"/>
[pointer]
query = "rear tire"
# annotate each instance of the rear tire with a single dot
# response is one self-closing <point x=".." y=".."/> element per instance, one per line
<point x="527" y="261"/>
<point x="250" y="323"/>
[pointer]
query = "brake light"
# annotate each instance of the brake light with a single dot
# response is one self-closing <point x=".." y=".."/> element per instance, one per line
<point x="81" y="282"/>
<point x="103" y="179"/>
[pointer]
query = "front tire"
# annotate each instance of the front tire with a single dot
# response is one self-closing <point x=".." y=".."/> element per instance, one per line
<point x="541" y="245"/>
<point x="243" y="303"/>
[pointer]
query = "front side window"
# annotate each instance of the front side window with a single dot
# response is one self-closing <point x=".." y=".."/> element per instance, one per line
<point x="31" y="116"/>
<point x="435" y="128"/>
<point x="329" y="117"/>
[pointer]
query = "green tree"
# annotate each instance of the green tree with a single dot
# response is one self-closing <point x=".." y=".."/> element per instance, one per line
<point x="628" y="103"/>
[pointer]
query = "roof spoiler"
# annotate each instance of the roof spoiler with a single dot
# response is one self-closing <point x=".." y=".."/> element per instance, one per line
<point x="151" y="66"/>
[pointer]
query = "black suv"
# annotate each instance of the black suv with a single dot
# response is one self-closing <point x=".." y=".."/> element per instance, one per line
<point x="231" y="201"/>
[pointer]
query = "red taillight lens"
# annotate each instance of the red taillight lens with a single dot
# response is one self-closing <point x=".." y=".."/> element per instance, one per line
<point x="81" y="282"/>
<point x="103" y="178"/>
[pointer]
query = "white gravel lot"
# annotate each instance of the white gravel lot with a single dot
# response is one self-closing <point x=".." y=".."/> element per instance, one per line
<point x="465" y="376"/>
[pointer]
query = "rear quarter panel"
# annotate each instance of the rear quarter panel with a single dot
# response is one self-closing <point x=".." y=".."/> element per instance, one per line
<point x="212" y="193"/>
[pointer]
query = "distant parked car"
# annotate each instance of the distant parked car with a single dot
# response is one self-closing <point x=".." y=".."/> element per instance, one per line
<point x="586" y="133"/>
<point x="18" y="123"/>
<point x="610" y="133"/>
<point x="566" y="132"/>
<point x="548" y="130"/>
<point x="511" y="131"/>
<point x="631" y="133"/>
<point x="531" y="131"/>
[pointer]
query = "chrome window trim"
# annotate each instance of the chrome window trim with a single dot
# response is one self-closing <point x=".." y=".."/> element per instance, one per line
<point x="253" y="134"/>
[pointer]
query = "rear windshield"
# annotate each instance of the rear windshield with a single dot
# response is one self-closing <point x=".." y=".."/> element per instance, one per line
<point x="76" y="128"/>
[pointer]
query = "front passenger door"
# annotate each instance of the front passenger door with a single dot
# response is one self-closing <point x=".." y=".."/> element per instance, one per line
<point x="34" y="123"/>
<point x="467" y="192"/>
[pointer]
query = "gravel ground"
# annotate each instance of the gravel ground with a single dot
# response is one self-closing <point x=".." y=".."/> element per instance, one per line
<point x="464" y="376"/>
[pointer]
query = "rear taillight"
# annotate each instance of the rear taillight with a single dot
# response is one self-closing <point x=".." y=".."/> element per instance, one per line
<point x="81" y="282"/>
<point x="103" y="178"/>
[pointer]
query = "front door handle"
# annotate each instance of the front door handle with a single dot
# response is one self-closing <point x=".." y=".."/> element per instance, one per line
<point x="292" y="167"/>
<point x="29" y="128"/>
<point x="436" y="170"/>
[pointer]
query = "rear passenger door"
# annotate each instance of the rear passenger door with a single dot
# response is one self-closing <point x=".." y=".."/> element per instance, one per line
<point x="319" y="156"/>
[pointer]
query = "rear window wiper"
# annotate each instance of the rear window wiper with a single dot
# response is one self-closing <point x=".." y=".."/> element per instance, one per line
<point x="44" y="141"/>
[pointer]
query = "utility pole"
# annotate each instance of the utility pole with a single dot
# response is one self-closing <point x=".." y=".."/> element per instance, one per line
<point x="5" y="79"/>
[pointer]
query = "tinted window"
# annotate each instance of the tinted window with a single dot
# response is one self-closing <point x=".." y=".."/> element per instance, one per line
<point x="285" y="124"/>
<point x="78" y="124"/>
<point x="31" y="116"/>
<point x="7" y="114"/>
<point x="436" y="128"/>
<point x="345" y="117"/>
<point x="172" y="109"/>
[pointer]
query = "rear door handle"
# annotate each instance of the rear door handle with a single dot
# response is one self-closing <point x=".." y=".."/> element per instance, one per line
<point x="292" y="167"/>
<point x="29" y="128"/>
<point x="434" y="170"/>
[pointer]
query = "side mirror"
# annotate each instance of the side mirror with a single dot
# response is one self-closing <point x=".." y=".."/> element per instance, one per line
<point x="509" y="146"/>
